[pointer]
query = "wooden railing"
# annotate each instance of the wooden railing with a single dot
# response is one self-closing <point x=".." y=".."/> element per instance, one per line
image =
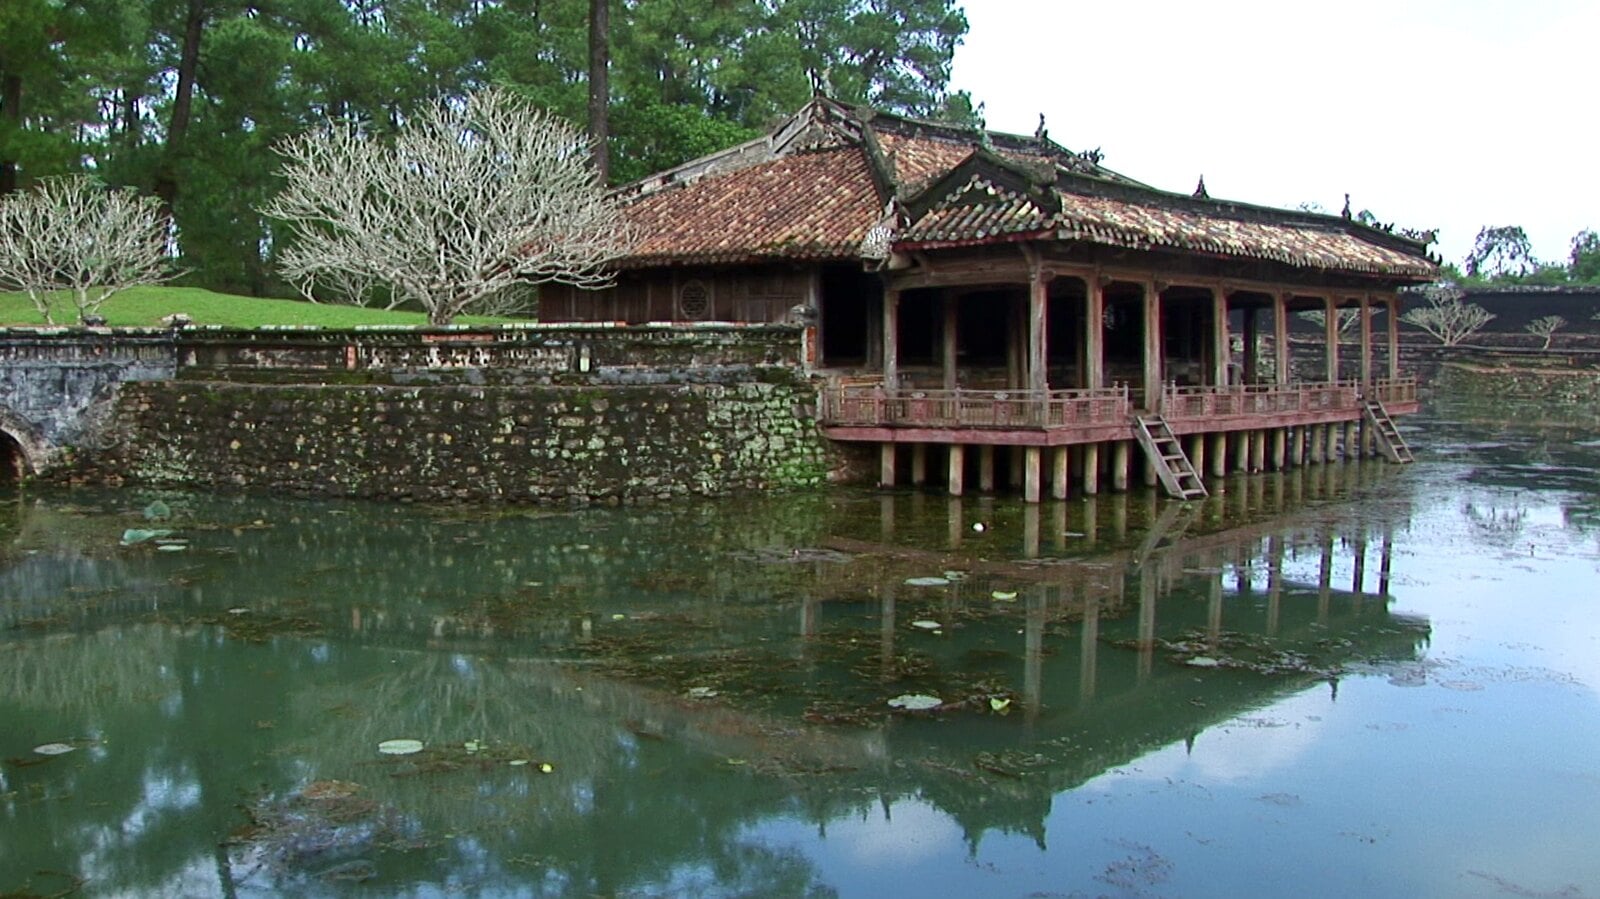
<point x="1394" y="391"/>
<point x="874" y="406"/>
<point x="1258" y="399"/>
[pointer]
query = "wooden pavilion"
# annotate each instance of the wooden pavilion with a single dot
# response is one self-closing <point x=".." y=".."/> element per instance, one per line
<point x="965" y="292"/>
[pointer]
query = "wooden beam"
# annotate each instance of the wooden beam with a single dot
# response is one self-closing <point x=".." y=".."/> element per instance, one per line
<point x="1364" y="309"/>
<point x="1394" y="337"/>
<point x="1330" y="333"/>
<point x="1220" y="349"/>
<point x="1152" y="347"/>
<point x="1038" y="303"/>
<point x="1252" y="337"/>
<point x="1094" y="332"/>
<point x="891" y="338"/>
<point x="952" y="316"/>
<point x="1280" y="334"/>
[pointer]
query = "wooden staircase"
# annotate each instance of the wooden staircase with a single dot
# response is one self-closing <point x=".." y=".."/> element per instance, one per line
<point x="1172" y="464"/>
<point x="1389" y="439"/>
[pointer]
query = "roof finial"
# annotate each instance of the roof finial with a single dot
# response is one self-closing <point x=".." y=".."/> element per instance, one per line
<point x="1346" y="212"/>
<point x="1200" y="190"/>
<point x="1040" y="133"/>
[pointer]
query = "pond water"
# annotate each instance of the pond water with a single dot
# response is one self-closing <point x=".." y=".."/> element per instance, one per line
<point x="1343" y="680"/>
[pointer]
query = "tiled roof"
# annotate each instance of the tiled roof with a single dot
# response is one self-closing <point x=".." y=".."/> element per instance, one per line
<point x="982" y="210"/>
<point x="1298" y="243"/>
<point x="816" y="187"/>
<point x="919" y="160"/>
<point x="815" y="205"/>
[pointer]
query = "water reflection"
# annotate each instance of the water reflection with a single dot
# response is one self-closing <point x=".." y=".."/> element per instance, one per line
<point x="687" y="674"/>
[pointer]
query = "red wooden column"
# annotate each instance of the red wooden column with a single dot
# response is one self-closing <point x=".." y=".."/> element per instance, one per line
<point x="1365" y="310"/>
<point x="1221" y="349"/>
<point x="1038" y="302"/>
<point x="1394" y="337"/>
<point x="891" y="338"/>
<point x="1331" y="335"/>
<point x="1252" y="337"/>
<point x="1094" y="333"/>
<point x="952" y="305"/>
<point x="1280" y="334"/>
<point x="1152" y="347"/>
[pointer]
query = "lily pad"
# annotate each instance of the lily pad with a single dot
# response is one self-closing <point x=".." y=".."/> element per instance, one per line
<point x="54" y="748"/>
<point x="1004" y="595"/>
<point x="928" y="581"/>
<point x="926" y="624"/>
<point x="915" y="702"/>
<point x="702" y="692"/>
<point x="400" y="747"/>
<point x="1202" y="662"/>
<point x="172" y="547"/>
<point x="157" y="511"/>
<point x="132" y="536"/>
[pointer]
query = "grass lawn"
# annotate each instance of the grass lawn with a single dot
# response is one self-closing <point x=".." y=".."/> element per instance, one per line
<point x="146" y="306"/>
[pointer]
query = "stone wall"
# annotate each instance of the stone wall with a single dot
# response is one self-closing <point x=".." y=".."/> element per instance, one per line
<point x="57" y="384"/>
<point x="511" y="444"/>
<point x="571" y="414"/>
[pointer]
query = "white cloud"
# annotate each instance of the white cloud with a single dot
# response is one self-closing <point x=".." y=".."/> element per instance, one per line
<point x="1430" y="113"/>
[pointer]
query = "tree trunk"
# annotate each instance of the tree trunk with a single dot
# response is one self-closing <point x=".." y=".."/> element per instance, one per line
<point x="600" y="85"/>
<point x="166" y="186"/>
<point x="10" y="111"/>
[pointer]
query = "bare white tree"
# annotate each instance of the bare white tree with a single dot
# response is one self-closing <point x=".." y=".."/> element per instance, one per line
<point x="1546" y="327"/>
<point x="1446" y="316"/>
<point x="1347" y="318"/>
<point x="471" y="203"/>
<point x="71" y="233"/>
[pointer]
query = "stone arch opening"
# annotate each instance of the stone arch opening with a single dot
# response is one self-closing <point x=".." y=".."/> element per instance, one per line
<point x="13" y="459"/>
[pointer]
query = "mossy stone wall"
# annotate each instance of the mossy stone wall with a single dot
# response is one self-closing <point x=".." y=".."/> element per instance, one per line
<point x="545" y="444"/>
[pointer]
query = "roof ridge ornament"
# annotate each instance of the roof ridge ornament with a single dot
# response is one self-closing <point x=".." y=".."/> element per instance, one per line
<point x="875" y="244"/>
<point x="1200" y="192"/>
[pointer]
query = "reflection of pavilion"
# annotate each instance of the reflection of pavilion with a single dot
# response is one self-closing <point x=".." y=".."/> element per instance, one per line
<point x="1097" y="688"/>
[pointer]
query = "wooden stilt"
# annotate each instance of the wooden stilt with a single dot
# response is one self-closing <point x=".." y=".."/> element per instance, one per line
<point x="958" y="469"/>
<point x="1219" y="454"/>
<point x="1197" y="451"/>
<point x="1258" y="450"/>
<point x="886" y="465"/>
<point x="1061" y="472"/>
<point x="1280" y="443"/>
<point x="1091" y="469"/>
<point x="919" y="464"/>
<point x="1119" y="466"/>
<point x="986" y="468"/>
<point x="1031" y="464"/>
<point x="1241" y="450"/>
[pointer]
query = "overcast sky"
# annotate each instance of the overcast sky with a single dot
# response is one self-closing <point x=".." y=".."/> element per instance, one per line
<point x="1447" y="114"/>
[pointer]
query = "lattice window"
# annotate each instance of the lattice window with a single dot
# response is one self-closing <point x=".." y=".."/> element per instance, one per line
<point x="694" y="300"/>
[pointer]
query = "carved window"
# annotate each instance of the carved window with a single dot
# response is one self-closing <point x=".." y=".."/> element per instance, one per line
<point x="694" y="300"/>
